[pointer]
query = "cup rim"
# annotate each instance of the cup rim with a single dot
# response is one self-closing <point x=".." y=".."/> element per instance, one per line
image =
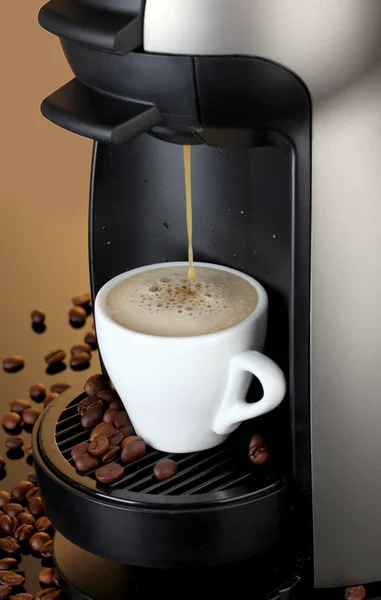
<point x="100" y="302"/>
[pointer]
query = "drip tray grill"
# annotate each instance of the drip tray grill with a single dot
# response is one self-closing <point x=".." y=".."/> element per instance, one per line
<point x="218" y="508"/>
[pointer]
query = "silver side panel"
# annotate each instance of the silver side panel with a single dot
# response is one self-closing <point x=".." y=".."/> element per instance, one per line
<point x="335" y="47"/>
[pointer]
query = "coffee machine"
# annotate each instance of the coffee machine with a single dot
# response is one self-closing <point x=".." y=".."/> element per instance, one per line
<point x="280" y="101"/>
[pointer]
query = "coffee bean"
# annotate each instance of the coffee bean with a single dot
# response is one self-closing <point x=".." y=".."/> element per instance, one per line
<point x="8" y="524"/>
<point x="79" y="449"/>
<point x="43" y="524"/>
<point x="116" y="404"/>
<point x="37" y="392"/>
<point x="54" y="356"/>
<point x="259" y="454"/>
<point x="56" y="578"/>
<point x="46" y="576"/>
<point x="115" y="438"/>
<point x="108" y="396"/>
<point x="11" y="578"/>
<point x="13" y="363"/>
<point x="59" y="388"/>
<point x="81" y="299"/>
<point x="2" y="463"/>
<point x="19" y="405"/>
<point x="121" y="420"/>
<point x="11" y="420"/>
<point x="37" y="316"/>
<point x="14" y="443"/>
<point x="86" y="462"/>
<point x="8" y="564"/>
<point x="38" y="540"/>
<point x="106" y="429"/>
<point x="129" y="440"/>
<point x="111" y="455"/>
<point x="49" y="594"/>
<point x="36" y="507"/>
<point x="80" y="361"/>
<point x="110" y="415"/>
<point x="127" y="431"/>
<point x="91" y="417"/>
<point x="13" y="509"/>
<point x="22" y="596"/>
<point x="49" y="398"/>
<point x="32" y="477"/>
<point x="89" y="402"/>
<point x="356" y="592"/>
<point x="77" y="315"/>
<point x="29" y="450"/>
<point x="21" y="490"/>
<point x="32" y="493"/>
<point x="5" y="591"/>
<point x="47" y="549"/>
<point x="95" y="384"/>
<point x="133" y="451"/>
<point x="30" y="415"/>
<point x="24" y="533"/>
<point x="109" y="473"/>
<point x="25" y="518"/>
<point x="9" y="545"/>
<point x="99" y="446"/>
<point x="5" y="498"/>
<point x="91" y="339"/>
<point x="79" y="348"/>
<point x="165" y="468"/>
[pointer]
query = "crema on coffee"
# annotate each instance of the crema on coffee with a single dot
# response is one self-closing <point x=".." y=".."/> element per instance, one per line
<point x="162" y="302"/>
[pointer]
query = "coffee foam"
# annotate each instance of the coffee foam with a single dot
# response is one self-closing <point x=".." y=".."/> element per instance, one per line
<point x="164" y="302"/>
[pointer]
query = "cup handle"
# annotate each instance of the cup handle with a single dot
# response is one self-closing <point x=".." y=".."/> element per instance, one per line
<point x="234" y="409"/>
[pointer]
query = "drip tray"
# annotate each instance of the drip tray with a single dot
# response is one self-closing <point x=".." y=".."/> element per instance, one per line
<point x="219" y="508"/>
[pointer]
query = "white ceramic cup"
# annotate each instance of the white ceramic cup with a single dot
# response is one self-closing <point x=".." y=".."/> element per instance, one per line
<point x="185" y="394"/>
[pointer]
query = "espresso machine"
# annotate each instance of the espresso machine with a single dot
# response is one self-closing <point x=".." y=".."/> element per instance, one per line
<point x="280" y="100"/>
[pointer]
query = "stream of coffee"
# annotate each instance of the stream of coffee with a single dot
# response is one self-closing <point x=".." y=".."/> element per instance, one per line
<point x="188" y="201"/>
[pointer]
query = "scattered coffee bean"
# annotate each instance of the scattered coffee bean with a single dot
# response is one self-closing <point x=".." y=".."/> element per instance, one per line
<point x="32" y="493"/>
<point x="49" y="398"/>
<point x="47" y="549"/>
<point x="37" y="316"/>
<point x="121" y="420"/>
<point x="22" y="596"/>
<point x="106" y="429"/>
<point x="127" y="431"/>
<point x="30" y="415"/>
<point x="86" y="462"/>
<point x="80" y="361"/>
<point x="36" y="507"/>
<point x="11" y="420"/>
<point x="24" y="533"/>
<point x="79" y="348"/>
<point x="110" y="415"/>
<point x="29" y="450"/>
<point x="19" y="405"/>
<point x="5" y="591"/>
<point x="13" y="509"/>
<point x="21" y="489"/>
<point x="109" y="473"/>
<point x="9" y="545"/>
<point x="13" y="363"/>
<point x="5" y="498"/>
<point x="43" y="524"/>
<point x="37" y="392"/>
<point x="49" y="594"/>
<point x="77" y="315"/>
<point x="8" y="524"/>
<point x="55" y="356"/>
<point x="79" y="449"/>
<point x="133" y="451"/>
<point x="95" y="384"/>
<point x="14" y="443"/>
<point x="56" y="578"/>
<point x="89" y="402"/>
<point x="91" y="339"/>
<point x="59" y="388"/>
<point x="259" y="454"/>
<point x="2" y="463"/>
<point x="129" y="440"/>
<point x="8" y="564"/>
<point x="108" y="396"/>
<point x="81" y="299"/>
<point x="32" y="477"/>
<point x="46" y="576"/>
<point x="25" y="518"/>
<point x="165" y="468"/>
<point x="99" y="446"/>
<point x="11" y="578"/>
<point x="111" y="455"/>
<point x="356" y="592"/>
<point x="38" y="540"/>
